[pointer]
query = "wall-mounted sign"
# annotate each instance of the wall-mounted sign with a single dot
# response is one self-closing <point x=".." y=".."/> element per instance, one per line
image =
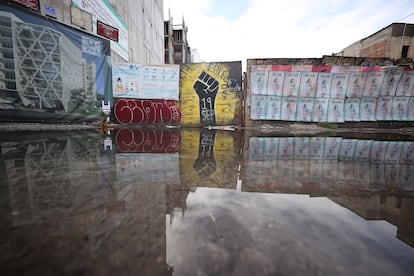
<point x="107" y="31"/>
<point x="50" y="11"/>
<point x="31" y="4"/>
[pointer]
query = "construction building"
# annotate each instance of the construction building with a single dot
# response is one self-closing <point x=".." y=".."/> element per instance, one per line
<point x="176" y="48"/>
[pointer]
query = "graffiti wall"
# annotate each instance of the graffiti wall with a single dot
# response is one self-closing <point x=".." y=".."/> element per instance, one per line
<point x="325" y="93"/>
<point x="146" y="94"/>
<point x="210" y="94"/>
<point x="49" y="71"/>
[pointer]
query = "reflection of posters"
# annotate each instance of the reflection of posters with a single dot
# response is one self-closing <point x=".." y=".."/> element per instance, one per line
<point x="407" y="153"/>
<point x="304" y="109"/>
<point x="258" y="107"/>
<point x="270" y="148"/>
<point x="301" y="171"/>
<point x="362" y="151"/>
<point x="291" y="84"/>
<point x="400" y="108"/>
<point x="356" y="84"/>
<point x="275" y="84"/>
<point x="367" y="109"/>
<point x="378" y="150"/>
<point x="406" y="84"/>
<point x="323" y="88"/>
<point x="316" y="146"/>
<point x="308" y="84"/>
<point x="339" y="85"/>
<point x="273" y="106"/>
<point x="126" y="80"/>
<point x="258" y="82"/>
<point x="301" y="150"/>
<point x="285" y="171"/>
<point x="256" y="148"/>
<point x="335" y="110"/>
<point x="377" y="175"/>
<point x="346" y="172"/>
<point x="392" y="174"/>
<point x="286" y="147"/>
<point x="407" y="177"/>
<point x="330" y="172"/>
<point x="332" y="146"/>
<point x="316" y="167"/>
<point x="384" y="107"/>
<point x="411" y="109"/>
<point x="289" y="105"/>
<point x="361" y="174"/>
<point x="373" y="84"/>
<point x="351" y="109"/>
<point x="320" y="110"/>
<point x="392" y="76"/>
<point x="346" y="152"/>
<point x="393" y="152"/>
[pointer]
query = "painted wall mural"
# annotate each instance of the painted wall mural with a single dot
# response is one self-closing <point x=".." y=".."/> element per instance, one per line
<point x="136" y="111"/>
<point x="322" y="93"/>
<point x="210" y="93"/>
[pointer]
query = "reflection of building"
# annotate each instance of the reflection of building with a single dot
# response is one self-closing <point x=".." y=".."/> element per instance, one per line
<point x="394" y="41"/>
<point x="42" y="68"/>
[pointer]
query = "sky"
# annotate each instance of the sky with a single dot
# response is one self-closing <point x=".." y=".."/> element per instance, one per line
<point x="237" y="30"/>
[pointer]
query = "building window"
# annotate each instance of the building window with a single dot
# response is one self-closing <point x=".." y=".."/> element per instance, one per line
<point x="404" y="51"/>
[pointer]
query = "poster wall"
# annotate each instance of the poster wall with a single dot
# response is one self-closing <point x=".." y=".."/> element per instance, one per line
<point x="325" y="93"/>
<point x="210" y="93"/>
<point x="49" y="71"/>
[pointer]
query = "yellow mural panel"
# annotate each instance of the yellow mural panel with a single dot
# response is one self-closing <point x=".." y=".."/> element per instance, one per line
<point x="210" y="94"/>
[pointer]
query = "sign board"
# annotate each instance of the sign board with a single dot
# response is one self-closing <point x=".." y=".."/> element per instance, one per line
<point x="107" y="31"/>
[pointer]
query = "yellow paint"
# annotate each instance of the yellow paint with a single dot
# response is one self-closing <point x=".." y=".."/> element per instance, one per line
<point x="226" y="102"/>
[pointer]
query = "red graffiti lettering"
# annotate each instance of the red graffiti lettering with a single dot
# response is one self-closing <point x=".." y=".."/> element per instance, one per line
<point x="147" y="140"/>
<point x="134" y="111"/>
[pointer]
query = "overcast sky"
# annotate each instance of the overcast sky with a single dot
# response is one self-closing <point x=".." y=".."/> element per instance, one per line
<point x="228" y="30"/>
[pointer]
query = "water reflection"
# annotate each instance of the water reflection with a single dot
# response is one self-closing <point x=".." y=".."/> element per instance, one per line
<point x="167" y="201"/>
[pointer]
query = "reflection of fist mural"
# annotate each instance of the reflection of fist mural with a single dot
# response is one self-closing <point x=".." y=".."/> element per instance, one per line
<point x="206" y="88"/>
<point x="205" y="164"/>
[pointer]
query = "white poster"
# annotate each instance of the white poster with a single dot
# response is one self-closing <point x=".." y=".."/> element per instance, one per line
<point x="258" y="107"/>
<point x="339" y="85"/>
<point x="406" y="84"/>
<point x="378" y="150"/>
<point x="392" y="76"/>
<point x="362" y="151"/>
<point x="361" y="174"/>
<point x="273" y="107"/>
<point x="320" y="110"/>
<point x="411" y="109"/>
<point x="335" y="110"/>
<point x="275" y="83"/>
<point x="384" y="108"/>
<point x="392" y="175"/>
<point x="308" y="84"/>
<point x="351" y="109"/>
<point x="126" y="80"/>
<point x="356" y="84"/>
<point x="346" y="152"/>
<point x="258" y="82"/>
<point x="304" y="109"/>
<point x="393" y="152"/>
<point x="323" y="89"/>
<point x="301" y="150"/>
<point x="332" y="146"/>
<point x="289" y="105"/>
<point x="373" y="84"/>
<point x="400" y="108"/>
<point x="256" y="148"/>
<point x="271" y="145"/>
<point x="407" y="153"/>
<point x="291" y="84"/>
<point x="330" y="172"/>
<point x="316" y="147"/>
<point x="286" y="147"/>
<point x="367" y="110"/>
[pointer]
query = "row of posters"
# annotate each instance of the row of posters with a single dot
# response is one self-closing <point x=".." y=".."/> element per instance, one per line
<point x="145" y="82"/>
<point x="331" y="148"/>
<point x="265" y="107"/>
<point x="336" y="82"/>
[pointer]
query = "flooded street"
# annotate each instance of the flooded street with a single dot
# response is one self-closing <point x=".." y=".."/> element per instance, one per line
<point x="204" y="202"/>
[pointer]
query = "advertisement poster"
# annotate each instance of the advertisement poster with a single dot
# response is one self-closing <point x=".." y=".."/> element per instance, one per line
<point x="351" y="109"/>
<point x="362" y="151"/>
<point x="308" y="84"/>
<point x="323" y="89"/>
<point x="335" y="110"/>
<point x="126" y="80"/>
<point x="411" y="109"/>
<point x="320" y="110"/>
<point x="304" y="109"/>
<point x="406" y="84"/>
<point x="291" y="84"/>
<point x="373" y="83"/>
<point x="339" y="85"/>
<point x="378" y="150"/>
<point x="275" y="84"/>
<point x="301" y="150"/>
<point x="346" y="152"/>
<point x="407" y="153"/>
<point x="258" y="107"/>
<point x="271" y="145"/>
<point x="392" y="76"/>
<point x="393" y="152"/>
<point x="400" y="108"/>
<point x="256" y="148"/>
<point x="286" y="147"/>
<point x="160" y="82"/>
<point x="289" y="106"/>
<point x="356" y="84"/>
<point x="392" y="174"/>
<point x="273" y="107"/>
<point x="361" y="174"/>
<point x="384" y="109"/>
<point x="367" y="110"/>
<point x="332" y="146"/>
<point x="316" y="147"/>
<point x="259" y="82"/>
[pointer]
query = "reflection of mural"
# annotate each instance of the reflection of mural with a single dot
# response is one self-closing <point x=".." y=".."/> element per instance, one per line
<point x="147" y="140"/>
<point x="209" y="93"/>
<point x="205" y="164"/>
<point x="134" y="111"/>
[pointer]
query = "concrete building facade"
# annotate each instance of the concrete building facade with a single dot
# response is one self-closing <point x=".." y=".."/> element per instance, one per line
<point x="394" y="41"/>
<point x="176" y="47"/>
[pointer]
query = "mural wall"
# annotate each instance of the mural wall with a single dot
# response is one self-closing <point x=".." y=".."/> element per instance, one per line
<point x="325" y="93"/>
<point x="210" y="94"/>
<point x="49" y="71"/>
<point x="146" y="94"/>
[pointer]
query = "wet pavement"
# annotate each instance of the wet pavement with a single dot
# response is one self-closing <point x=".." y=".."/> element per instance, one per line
<point x="198" y="202"/>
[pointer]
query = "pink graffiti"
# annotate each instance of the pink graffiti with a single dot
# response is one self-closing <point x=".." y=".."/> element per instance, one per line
<point x="135" y="111"/>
